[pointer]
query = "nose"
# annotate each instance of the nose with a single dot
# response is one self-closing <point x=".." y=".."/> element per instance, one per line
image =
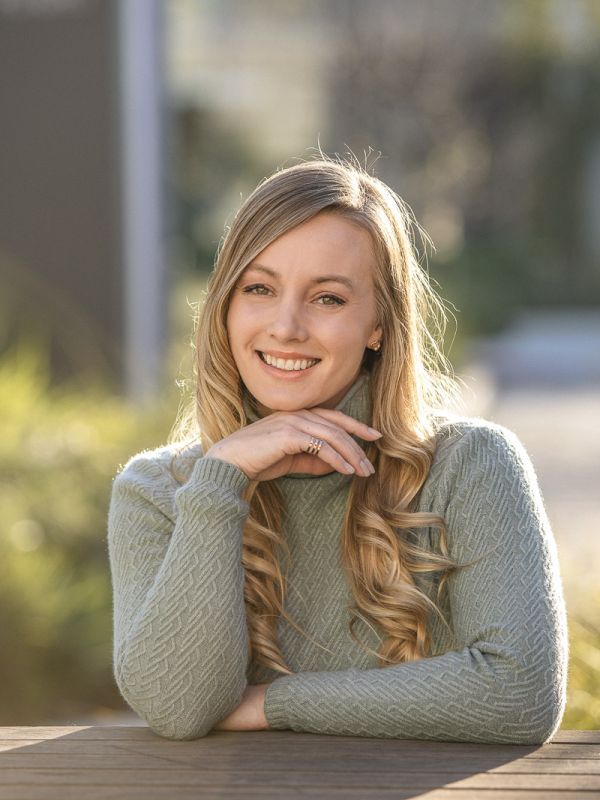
<point x="287" y="321"/>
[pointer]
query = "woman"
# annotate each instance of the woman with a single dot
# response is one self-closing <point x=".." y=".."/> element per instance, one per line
<point x="323" y="546"/>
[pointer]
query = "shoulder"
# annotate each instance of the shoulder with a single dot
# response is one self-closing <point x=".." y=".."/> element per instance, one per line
<point x="484" y="484"/>
<point x="454" y="428"/>
<point x="157" y="473"/>
<point x="143" y="494"/>
<point x="474" y="444"/>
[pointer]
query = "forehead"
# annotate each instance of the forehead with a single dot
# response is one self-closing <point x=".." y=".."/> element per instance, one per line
<point x="326" y="245"/>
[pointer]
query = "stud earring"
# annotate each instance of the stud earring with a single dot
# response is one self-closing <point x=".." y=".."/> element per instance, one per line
<point x="374" y="345"/>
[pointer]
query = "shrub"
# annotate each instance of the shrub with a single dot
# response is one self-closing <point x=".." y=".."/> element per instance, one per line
<point x="60" y="449"/>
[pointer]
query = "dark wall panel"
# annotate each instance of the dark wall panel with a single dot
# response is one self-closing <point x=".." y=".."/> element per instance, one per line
<point x="60" y="258"/>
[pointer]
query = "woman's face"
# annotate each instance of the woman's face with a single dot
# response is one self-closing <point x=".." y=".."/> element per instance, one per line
<point x="308" y="295"/>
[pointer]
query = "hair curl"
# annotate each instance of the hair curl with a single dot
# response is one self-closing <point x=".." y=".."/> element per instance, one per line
<point x="411" y="381"/>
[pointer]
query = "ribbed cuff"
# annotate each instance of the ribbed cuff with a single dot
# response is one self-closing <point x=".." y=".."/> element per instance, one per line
<point x="274" y="707"/>
<point x="224" y="473"/>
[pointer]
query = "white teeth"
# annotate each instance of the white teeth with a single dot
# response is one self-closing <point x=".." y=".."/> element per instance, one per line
<point x="288" y="365"/>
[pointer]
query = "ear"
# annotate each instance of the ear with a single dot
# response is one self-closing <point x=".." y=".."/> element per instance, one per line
<point x="376" y="333"/>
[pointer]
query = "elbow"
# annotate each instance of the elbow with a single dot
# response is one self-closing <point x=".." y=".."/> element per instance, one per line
<point x="177" y="716"/>
<point x="533" y="708"/>
<point x="540" y="697"/>
<point x="175" y="720"/>
<point x="537" y="724"/>
<point x="524" y="692"/>
<point x="178" y="729"/>
<point x="522" y="700"/>
<point x="177" y="724"/>
<point x="532" y="731"/>
<point x="505" y="724"/>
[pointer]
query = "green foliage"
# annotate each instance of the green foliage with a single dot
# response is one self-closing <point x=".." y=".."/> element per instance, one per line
<point x="485" y="283"/>
<point x="583" y="701"/>
<point x="59" y="452"/>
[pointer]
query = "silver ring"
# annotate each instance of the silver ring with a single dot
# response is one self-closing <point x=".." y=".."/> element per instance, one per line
<point x="314" y="446"/>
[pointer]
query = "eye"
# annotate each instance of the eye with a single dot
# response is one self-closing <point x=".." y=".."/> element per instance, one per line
<point x="336" y="300"/>
<point x="250" y="289"/>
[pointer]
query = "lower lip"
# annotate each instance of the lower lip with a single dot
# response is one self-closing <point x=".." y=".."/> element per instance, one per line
<point x="286" y="374"/>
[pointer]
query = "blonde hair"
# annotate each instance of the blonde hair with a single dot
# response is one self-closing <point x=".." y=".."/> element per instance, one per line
<point x="411" y="380"/>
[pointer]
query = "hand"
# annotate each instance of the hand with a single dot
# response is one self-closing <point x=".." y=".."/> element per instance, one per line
<point x="274" y="445"/>
<point x="250" y="714"/>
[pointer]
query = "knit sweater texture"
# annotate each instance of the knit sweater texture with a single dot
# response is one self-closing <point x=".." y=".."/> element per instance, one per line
<point x="180" y="635"/>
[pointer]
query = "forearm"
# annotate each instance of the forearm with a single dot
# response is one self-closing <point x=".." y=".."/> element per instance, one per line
<point x="469" y="696"/>
<point x="180" y="656"/>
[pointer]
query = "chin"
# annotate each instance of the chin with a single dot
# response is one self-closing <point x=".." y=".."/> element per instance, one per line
<point x="281" y="403"/>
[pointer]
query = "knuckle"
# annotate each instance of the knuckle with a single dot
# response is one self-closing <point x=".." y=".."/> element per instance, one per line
<point x="282" y="416"/>
<point x="285" y="421"/>
<point x="339" y="435"/>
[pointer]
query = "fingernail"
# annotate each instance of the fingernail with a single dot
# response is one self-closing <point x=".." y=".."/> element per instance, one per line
<point x="375" y="432"/>
<point x="366" y="465"/>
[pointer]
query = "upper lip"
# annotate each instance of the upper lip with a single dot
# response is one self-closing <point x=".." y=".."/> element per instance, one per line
<point x="290" y="356"/>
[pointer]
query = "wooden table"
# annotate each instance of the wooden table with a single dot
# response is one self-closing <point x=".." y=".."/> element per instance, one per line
<point x="93" y="762"/>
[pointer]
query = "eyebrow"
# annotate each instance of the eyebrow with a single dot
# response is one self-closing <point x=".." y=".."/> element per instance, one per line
<point x="321" y="279"/>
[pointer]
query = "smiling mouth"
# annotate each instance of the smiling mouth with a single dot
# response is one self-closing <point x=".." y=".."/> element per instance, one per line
<point x="307" y="362"/>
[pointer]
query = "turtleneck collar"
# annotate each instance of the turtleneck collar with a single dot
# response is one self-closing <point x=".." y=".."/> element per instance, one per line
<point x="355" y="403"/>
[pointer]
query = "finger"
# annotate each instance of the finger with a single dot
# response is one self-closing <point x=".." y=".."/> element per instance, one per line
<point x="326" y="453"/>
<point x="342" y="437"/>
<point x="340" y="446"/>
<point x="350" y="424"/>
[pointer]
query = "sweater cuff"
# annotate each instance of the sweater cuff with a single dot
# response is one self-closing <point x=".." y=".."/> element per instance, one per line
<point x="224" y="473"/>
<point x="275" y="698"/>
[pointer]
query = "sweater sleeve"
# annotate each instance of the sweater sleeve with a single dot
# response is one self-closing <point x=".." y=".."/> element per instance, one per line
<point x="180" y="634"/>
<point x="505" y="681"/>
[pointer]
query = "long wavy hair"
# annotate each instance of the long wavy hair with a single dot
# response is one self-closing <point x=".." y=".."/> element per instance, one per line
<point x="411" y="380"/>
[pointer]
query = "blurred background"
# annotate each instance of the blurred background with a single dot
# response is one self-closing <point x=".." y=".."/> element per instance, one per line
<point x="131" y="133"/>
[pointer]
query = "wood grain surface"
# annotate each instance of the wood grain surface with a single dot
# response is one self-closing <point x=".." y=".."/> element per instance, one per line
<point x="75" y="762"/>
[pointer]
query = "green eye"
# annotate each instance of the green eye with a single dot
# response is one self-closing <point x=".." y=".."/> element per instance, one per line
<point x="249" y="289"/>
<point x="337" y="301"/>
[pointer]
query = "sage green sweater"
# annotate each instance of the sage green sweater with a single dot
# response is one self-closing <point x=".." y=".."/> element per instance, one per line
<point x="180" y="634"/>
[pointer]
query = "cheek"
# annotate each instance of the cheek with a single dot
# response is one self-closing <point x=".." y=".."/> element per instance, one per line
<point x="241" y="328"/>
<point x="234" y="321"/>
<point x="343" y="334"/>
